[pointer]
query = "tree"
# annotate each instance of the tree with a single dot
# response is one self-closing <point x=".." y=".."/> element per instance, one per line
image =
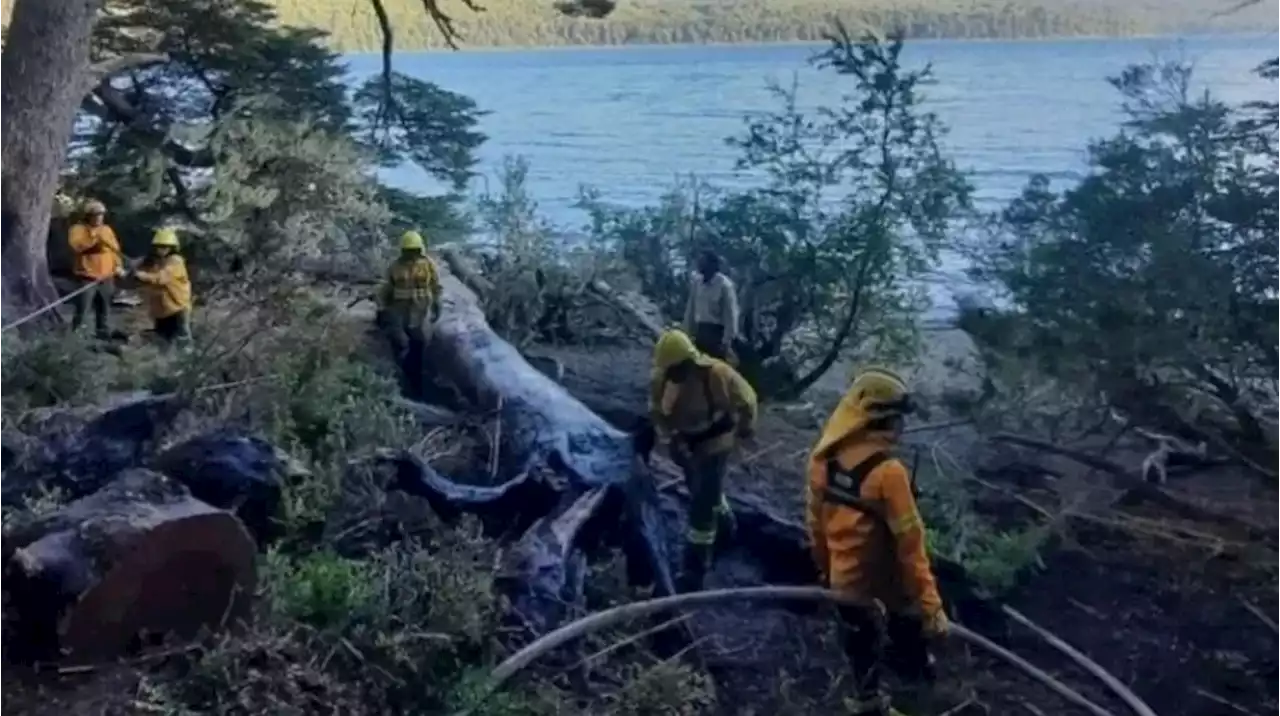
<point x="830" y="255"/>
<point x="225" y="64"/>
<point x="46" y="60"/>
<point x="1153" y="280"/>
<point x="222" y="133"/>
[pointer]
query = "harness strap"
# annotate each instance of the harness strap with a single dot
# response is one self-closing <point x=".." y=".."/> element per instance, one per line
<point x="719" y="426"/>
<point x="844" y="487"/>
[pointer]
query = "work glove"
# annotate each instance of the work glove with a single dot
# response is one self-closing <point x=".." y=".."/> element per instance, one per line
<point x="936" y="625"/>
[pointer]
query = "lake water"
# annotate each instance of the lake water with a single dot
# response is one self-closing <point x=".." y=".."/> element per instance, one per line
<point x="630" y="120"/>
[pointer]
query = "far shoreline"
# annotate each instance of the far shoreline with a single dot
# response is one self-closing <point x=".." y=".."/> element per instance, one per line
<point x="478" y="49"/>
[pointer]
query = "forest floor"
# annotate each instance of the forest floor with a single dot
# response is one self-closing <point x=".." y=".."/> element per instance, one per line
<point x="1167" y="603"/>
<point x="1161" y="600"/>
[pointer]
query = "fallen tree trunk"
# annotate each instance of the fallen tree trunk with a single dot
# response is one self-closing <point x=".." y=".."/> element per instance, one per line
<point x="140" y="558"/>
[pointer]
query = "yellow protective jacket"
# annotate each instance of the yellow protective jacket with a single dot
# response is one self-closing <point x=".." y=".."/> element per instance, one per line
<point x="709" y="409"/>
<point x="97" y="251"/>
<point x="411" y="283"/>
<point x="165" y="286"/>
<point x="875" y="550"/>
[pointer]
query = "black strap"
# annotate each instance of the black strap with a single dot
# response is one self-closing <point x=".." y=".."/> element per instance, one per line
<point x="844" y="487"/>
<point x="721" y="426"/>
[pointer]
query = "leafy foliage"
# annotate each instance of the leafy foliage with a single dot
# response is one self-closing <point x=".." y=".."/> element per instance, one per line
<point x="1153" y="280"/>
<point x="249" y="136"/>
<point x="827" y="256"/>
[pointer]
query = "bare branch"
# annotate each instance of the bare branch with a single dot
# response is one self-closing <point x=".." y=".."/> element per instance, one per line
<point x="112" y="105"/>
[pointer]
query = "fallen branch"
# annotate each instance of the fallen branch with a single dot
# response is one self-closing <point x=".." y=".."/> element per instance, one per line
<point x="609" y="297"/>
<point x="1125" y="693"/>
<point x="1254" y="610"/>
<point x="1085" y="459"/>
<point x="638" y="610"/>
<point x="1221" y="701"/>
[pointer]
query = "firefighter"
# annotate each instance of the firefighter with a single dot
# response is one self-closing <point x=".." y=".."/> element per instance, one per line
<point x="167" y="287"/>
<point x="702" y="407"/>
<point x="868" y="538"/>
<point x="97" y="263"/>
<point x="408" y="297"/>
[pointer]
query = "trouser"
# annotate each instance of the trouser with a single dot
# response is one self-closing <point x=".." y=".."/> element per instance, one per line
<point x="864" y="638"/>
<point x="709" y="513"/>
<point x="174" y="328"/>
<point x="97" y="299"/>
<point x="408" y="341"/>
<point x="873" y="641"/>
<point x="709" y="338"/>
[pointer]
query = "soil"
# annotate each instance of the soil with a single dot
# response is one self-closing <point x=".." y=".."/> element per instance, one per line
<point x="1156" y="599"/>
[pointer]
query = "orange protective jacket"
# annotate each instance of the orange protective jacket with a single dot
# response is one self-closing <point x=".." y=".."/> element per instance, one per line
<point x="877" y="557"/>
<point x="97" y="251"/>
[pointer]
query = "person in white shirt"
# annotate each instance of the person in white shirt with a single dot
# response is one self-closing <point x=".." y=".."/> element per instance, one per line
<point x="711" y="316"/>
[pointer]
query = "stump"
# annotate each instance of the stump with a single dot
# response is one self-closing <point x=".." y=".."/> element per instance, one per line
<point x="138" y="560"/>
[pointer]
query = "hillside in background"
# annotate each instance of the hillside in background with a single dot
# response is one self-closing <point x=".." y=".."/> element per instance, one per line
<point x="524" y="23"/>
<point x="536" y="23"/>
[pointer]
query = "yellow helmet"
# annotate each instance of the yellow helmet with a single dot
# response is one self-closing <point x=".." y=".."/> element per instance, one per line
<point x="674" y="346"/>
<point x="881" y="393"/>
<point x="165" y="238"/>
<point x="93" y="206"/>
<point x="412" y="241"/>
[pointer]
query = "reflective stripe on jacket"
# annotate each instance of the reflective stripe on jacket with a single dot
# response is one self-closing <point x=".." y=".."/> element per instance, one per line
<point x="411" y="281"/>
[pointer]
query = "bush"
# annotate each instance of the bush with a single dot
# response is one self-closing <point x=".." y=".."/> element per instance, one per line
<point x="1150" y="285"/>
<point x="829" y="257"/>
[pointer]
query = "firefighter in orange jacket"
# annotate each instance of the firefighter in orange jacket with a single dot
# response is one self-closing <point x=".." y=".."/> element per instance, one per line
<point x="867" y="535"/>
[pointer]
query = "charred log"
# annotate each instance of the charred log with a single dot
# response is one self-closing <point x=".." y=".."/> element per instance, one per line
<point x="77" y="454"/>
<point x="139" y="559"/>
<point x="233" y="472"/>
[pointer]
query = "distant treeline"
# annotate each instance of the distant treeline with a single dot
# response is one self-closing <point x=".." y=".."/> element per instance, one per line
<point x="533" y="23"/>
<point x="536" y="22"/>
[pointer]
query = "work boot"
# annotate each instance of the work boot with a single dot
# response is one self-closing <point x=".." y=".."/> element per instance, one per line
<point x="693" y="569"/>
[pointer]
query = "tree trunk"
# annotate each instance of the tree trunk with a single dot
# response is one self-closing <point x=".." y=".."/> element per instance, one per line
<point x="46" y="58"/>
<point x="139" y="559"/>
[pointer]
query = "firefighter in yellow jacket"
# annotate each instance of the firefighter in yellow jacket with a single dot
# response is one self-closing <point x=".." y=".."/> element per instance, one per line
<point x="166" y="287"/>
<point x="867" y="535"/>
<point x="408" y="297"/>
<point x="702" y="407"/>
<point x="97" y="263"/>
